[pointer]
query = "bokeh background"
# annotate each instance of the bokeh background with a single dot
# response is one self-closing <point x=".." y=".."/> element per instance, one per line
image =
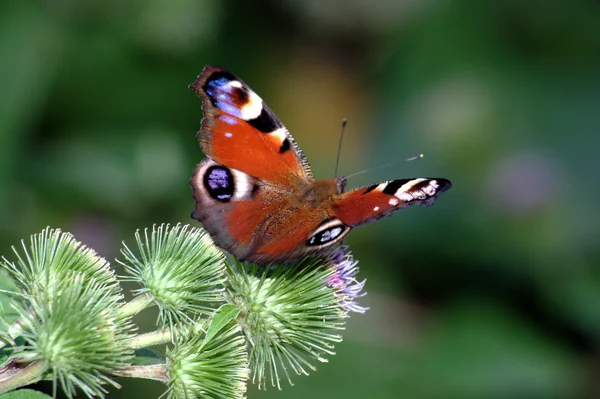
<point x="492" y="293"/>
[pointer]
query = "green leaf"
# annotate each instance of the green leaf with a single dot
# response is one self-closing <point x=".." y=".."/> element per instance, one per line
<point x="146" y="356"/>
<point x="8" y="349"/>
<point x="25" y="394"/>
<point x="222" y="317"/>
<point x="7" y="312"/>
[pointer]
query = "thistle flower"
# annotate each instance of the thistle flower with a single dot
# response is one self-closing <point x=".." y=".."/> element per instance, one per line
<point x="54" y="256"/>
<point x="289" y="315"/>
<point x="69" y="315"/>
<point x="179" y="269"/>
<point x="343" y="280"/>
<point x="211" y="364"/>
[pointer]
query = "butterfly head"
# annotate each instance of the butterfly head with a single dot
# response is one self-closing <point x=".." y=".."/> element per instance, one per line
<point x="340" y="183"/>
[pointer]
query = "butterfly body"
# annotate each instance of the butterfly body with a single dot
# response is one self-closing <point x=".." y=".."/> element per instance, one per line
<point x="255" y="192"/>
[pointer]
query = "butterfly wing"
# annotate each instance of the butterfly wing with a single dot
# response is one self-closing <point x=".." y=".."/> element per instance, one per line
<point x="240" y="131"/>
<point x="367" y="204"/>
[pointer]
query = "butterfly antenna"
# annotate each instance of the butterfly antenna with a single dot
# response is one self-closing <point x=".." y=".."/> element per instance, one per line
<point x="387" y="165"/>
<point x="337" y="161"/>
<point x="416" y="157"/>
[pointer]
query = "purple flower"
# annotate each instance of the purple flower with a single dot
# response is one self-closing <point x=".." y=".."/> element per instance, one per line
<point x="343" y="280"/>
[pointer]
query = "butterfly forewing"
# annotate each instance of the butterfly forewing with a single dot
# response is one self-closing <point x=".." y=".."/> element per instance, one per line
<point x="239" y="130"/>
<point x="367" y="204"/>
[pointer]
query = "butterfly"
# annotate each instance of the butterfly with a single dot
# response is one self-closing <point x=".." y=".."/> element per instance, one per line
<point x="255" y="192"/>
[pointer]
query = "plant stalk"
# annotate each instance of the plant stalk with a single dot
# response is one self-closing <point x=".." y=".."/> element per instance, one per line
<point x="12" y="376"/>
<point x="156" y="372"/>
<point x="136" y="305"/>
<point x="158" y="337"/>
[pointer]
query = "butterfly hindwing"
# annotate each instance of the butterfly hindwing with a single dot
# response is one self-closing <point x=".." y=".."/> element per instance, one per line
<point x="255" y="221"/>
<point x="291" y="233"/>
<point x="240" y="131"/>
<point x="367" y="204"/>
<point x="228" y="205"/>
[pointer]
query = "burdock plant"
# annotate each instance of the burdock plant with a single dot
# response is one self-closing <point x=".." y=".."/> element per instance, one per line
<point x="220" y="322"/>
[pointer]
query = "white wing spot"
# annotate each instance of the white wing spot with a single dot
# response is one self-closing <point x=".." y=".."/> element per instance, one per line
<point x="228" y="119"/>
<point x="376" y="208"/>
<point x="419" y="195"/>
<point x="430" y="190"/>
<point x="406" y="197"/>
<point x="280" y="133"/>
<point x="404" y="194"/>
<point x="393" y="201"/>
<point x="336" y="232"/>
<point x="236" y="83"/>
<point x="409" y="185"/>
<point x="253" y="107"/>
<point x="228" y="135"/>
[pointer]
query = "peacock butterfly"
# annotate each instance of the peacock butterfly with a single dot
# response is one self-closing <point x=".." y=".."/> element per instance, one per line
<point x="255" y="192"/>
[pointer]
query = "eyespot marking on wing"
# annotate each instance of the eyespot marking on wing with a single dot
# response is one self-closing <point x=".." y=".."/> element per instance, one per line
<point x="328" y="233"/>
<point x="232" y="96"/>
<point x="212" y="181"/>
<point x="218" y="183"/>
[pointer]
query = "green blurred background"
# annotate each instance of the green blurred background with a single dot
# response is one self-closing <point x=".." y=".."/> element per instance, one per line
<point x="492" y="293"/>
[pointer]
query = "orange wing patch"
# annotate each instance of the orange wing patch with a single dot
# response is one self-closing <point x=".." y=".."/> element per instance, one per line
<point x="234" y="143"/>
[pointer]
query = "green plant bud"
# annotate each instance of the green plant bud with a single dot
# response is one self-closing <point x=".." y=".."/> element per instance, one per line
<point x="180" y="269"/>
<point x="78" y="333"/>
<point x="289" y="315"/>
<point x="53" y="257"/>
<point x="209" y="365"/>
